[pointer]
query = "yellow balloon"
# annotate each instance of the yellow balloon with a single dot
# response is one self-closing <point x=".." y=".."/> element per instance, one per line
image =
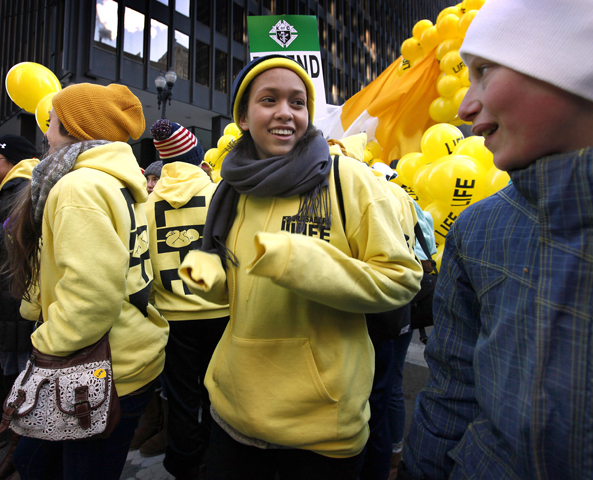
<point x="411" y="49"/>
<point x="495" y="180"/>
<point x="448" y="11"/>
<point x="448" y="26"/>
<point x="211" y="156"/>
<point x="464" y="77"/>
<point x="458" y="182"/>
<point x="216" y="176"/>
<point x="456" y="121"/>
<point x="408" y="165"/>
<point x="447" y="46"/>
<point x="430" y="39"/>
<point x="468" y="5"/>
<point x="403" y="67"/>
<point x="442" y="110"/>
<point x="452" y="63"/>
<point x="27" y="83"/>
<point x="374" y="148"/>
<point x="224" y="142"/>
<point x="459" y="96"/>
<point x="438" y="257"/>
<point x="440" y="140"/>
<point x="465" y="21"/>
<point x="233" y="129"/>
<point x="420" y="28"/>
<point x="42" y="112"/>
<point x="448" y="85"/>
<point x="443" y="218"/>
<point x="474" y="147"/>
<point x="419" y="183"/>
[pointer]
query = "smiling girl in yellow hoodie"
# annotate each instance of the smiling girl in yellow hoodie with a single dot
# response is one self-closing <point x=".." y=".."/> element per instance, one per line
<point x="290" y="379"/>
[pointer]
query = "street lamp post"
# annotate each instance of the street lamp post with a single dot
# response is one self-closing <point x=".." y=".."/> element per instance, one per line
<point x="164" y="85"/>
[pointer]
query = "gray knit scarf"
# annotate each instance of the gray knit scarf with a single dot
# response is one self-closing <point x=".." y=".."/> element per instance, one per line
<point x="282" y="176"/>
<point x="51" y="169"/>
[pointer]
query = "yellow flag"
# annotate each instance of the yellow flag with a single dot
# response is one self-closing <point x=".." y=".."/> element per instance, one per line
<point x="392" y="110"/>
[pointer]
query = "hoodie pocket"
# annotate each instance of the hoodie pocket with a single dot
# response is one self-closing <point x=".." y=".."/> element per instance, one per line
<point x="272" y="390"/>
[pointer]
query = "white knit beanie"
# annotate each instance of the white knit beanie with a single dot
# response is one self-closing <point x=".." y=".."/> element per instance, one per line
<point x="551" y="40"/>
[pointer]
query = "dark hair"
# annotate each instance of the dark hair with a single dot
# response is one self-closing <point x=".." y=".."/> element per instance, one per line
<point x="23" y="248"/>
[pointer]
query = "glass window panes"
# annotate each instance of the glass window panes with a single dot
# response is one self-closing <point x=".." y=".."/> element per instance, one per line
<point x="133" y="34"/>
<point x="238" y="23"/>
<point x="237" y="66"/>
<point x="202" y="63"/>
<point x="164" y="2"/>
<point x="203" y="11"/>
<point x="222" y="17"/>
<point x="106" y="25"/>
<point x="158" y="44"/>
<point x="182" y="6"/>
<point x="181" y="55"/>
<point x="221" y="71"/>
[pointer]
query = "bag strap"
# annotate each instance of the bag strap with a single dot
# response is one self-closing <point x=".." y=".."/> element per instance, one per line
<point x="424" y="245"/>
<point x="339" y="189"/>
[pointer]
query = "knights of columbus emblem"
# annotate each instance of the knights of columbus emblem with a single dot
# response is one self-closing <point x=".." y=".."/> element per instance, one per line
<point x="283" y="33"/>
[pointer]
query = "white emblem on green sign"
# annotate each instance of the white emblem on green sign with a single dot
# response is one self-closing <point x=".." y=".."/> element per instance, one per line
<point x="283" y="33"/>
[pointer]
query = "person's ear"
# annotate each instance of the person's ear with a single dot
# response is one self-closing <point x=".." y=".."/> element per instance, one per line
<point x="243" y="122"/>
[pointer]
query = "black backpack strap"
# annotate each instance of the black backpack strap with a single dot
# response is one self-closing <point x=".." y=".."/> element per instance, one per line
<point x="339" y="189"/>
<point x="424" y="245"/>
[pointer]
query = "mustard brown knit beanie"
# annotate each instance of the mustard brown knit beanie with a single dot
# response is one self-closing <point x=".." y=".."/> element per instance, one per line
<point x="95" y="112"/>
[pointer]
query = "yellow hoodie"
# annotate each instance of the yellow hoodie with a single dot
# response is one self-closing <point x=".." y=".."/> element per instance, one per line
<point x="95" y="271"/>
<point x="295" y="364"/>
<point x="22" y="169"/>
<point x="176" y="213"/>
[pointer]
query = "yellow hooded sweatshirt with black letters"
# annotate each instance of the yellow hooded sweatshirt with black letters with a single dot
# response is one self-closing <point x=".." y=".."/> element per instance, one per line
<point x="295" y="364"/>
<point x="176" y="213"/>
<point x="95" y="272"/>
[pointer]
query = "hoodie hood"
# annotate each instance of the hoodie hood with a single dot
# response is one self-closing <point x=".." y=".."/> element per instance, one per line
<point x="23" y="169"/>
<point x="180" y="182"/>
<point x="352" y="146"/>
<point x="117" y="160"/>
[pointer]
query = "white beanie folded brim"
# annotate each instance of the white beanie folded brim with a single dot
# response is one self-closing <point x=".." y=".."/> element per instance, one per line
<point x="550" y="40"/>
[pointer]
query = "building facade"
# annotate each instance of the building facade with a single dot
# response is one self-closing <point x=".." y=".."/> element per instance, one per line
<point x="204" y="41"/>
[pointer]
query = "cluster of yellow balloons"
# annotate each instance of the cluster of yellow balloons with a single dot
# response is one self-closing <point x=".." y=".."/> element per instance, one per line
<point x="214" y="156"/>
<point x="372" y="153"/>
<point x="32" y="86"/>
<point x="450" y="173"/>
<point x="445" y="39"/>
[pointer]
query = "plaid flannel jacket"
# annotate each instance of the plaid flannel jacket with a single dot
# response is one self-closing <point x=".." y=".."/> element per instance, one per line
<point x="511" y="356"/>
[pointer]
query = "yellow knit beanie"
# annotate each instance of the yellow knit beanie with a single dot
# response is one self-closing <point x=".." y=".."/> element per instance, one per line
<point x="95" y="112"/>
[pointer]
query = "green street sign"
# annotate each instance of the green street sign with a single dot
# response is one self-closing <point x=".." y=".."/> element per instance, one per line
<point x="283" y="32"/>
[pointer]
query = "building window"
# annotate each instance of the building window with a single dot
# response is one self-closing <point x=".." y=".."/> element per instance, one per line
<point x="181" y="55"/>
<point x="203" y="12"/>
<point x="133" y="34"/>
<point x="331" y="42"/>
<point x="238" y="23"/>
<point x="222" y="17"/>
<point x="164" y="2"/>
<point x="106" y="25"/>
<point x="158" y="44"/>
<point x="268" y="5"/>
<point x="202" y="63"/>
<point x="182" y="6"/>
<point x="221" y="71"/>
<point x="237" y="67"/>
<point x="340" y="46"/>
